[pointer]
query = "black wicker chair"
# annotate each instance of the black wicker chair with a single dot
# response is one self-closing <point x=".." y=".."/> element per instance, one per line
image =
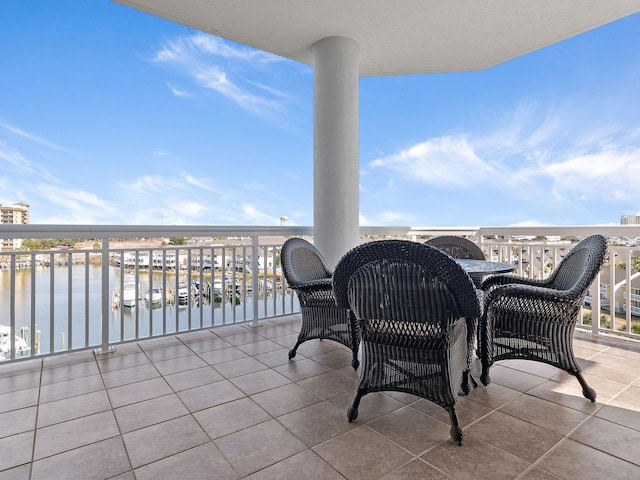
<point x="457" y="247"/>
<point x="460" y="247"/>
<point x="535" y="319"/>
<point x="412" y="301"/>
<point x="309" y="276"/>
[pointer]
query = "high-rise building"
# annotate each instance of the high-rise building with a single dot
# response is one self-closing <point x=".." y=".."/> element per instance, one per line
<point x="633" y="219"/>
<point x="16" y="213"/>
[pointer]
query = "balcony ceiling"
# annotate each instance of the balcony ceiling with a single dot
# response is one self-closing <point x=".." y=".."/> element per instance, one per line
<point x="396" y="38"/>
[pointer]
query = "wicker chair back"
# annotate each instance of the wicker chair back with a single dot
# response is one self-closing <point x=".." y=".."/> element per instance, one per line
<point x="457" y="247"/>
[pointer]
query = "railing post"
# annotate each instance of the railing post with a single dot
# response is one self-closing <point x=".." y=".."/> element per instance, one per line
<point x="106" y="299"/>
<point x="255" y="265"/>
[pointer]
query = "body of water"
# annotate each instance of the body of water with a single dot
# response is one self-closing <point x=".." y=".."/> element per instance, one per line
<point x="65" y="304"/>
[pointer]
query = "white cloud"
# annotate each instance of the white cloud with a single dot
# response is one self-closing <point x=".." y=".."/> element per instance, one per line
<point x="205" y="59"/>
<point x="449" y="160"/>
<point x="253" y="216"/>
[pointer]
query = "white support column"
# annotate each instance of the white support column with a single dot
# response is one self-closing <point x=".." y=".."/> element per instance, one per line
<point x="336" y="147"/>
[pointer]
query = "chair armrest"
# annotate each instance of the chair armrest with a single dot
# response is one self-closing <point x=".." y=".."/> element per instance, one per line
<point x="507" y="278"/>
<point x="315" y="285"/>
<point x="535" y="302"/>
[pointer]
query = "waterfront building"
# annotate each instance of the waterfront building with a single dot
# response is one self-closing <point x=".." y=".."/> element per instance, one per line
<point x="633" y="219"/>
<point x="16" y="213"/>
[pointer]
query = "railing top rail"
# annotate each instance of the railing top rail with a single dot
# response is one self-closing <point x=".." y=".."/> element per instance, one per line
<point x="8" y="231"/>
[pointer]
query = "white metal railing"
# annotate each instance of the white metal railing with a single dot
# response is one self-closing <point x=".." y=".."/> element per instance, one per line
<point x="62" y="300"/>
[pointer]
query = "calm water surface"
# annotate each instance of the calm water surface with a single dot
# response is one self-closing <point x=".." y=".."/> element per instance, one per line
<point x="60" y="312"/>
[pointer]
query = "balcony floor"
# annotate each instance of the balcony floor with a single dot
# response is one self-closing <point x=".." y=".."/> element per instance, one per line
<point x="228" y="404"/>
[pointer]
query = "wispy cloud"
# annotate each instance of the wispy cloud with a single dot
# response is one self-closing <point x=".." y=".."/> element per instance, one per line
<point x="606" y="167"/>
<point x="211" y="63"/>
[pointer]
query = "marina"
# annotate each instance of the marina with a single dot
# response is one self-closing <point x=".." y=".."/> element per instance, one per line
<point x="63" y="303"/>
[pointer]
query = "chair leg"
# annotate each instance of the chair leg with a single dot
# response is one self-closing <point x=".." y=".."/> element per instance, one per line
<point x="352" y="411"/>
<point x="456" y="431"/>
<point x="467" y="382"/>
<point x="485" y="378"/>
<point x="587" y="391"/>
<point x="292" y="352"/>
<point x="355" y="363"/>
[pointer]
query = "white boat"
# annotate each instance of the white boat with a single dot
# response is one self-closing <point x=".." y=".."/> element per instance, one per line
<point x="183" y="293"/>
<point x="154" y="297"/>
<point x="129" y="295"/>
<point x="22" y="348"/>
<point x="218" y="287"/>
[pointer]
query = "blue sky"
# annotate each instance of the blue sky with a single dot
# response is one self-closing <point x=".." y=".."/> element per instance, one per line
<point x="112" y="116"/>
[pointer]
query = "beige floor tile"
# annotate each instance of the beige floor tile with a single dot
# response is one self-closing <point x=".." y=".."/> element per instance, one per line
<point x="16" y="450"/>
<point x="230" y="417"/>
<point x="210" y="395"/>
<point x="300" y="368"/>
<point x="285" y="399"/>
<point x="537" y="474"/>
<point x="286" y="341"/>
<point x="195" y="422"/>
<point x="197" y="463"/>
<point x="630" y="395"/>
<point x="312" y="348"/>
<point x="73" y="434"/>
<point x="621" y="413"/>
<point x="20" y="381"/>
<point x="18" y="399"/>
<point x="109" y="363"/>
<point x="372" y="406"/>
<point x="572" y="460"/>
<point x="328" y="385"/>
<point x="363" y="454"/>
<point x="514" y="379"/>
<point x="275" y="331"/>
<point x="244" y="338"/>
<point x="125" y="376"/>
<point x="180" y="364"/>
<point x="412" y="430"/>
<point x="193" y="378"/>
<point x="252" y="449"/>
<point x="622" y="375"/>
<point x="528" y="366"/>
<point x="261" y="346"/>
<point x="610" y="359"/>
<point x="22" y="472"/>
<point x="259" y="381"/>
<point x="69" y="372"/>
<point x="138" y="392"/>
<point x="569" y="395"/>
<point x="167" y="353"/>
<point x="468" y="410"/>
<point x="149" y="412"/>
<point x="475" y="460"/>
<point x="549" y="415"/>
<point x="73" y="407"/>
<point x="317" y="423"/>
<point x="97" y="461"/>
<point x="242" y="366"/>
<point x="208" y="344"/>
<point x="522" y="439"/>
<point x="303" y="466"/>
<point x="493" y="396"/>
<point x="223" y="355"/>
<point x="611" y="438"/>
<point x="70" y="388"/>
<point x="162" y="440"/>
<point x="416" y="470"/>
<point x="274" y="358"/>
<point x="335" y="359"/>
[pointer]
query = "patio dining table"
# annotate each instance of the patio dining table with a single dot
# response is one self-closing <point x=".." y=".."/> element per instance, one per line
<point x="478" y="269"/>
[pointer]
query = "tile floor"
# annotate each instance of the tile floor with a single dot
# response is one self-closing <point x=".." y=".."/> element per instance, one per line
<point x="228" y="404"/>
